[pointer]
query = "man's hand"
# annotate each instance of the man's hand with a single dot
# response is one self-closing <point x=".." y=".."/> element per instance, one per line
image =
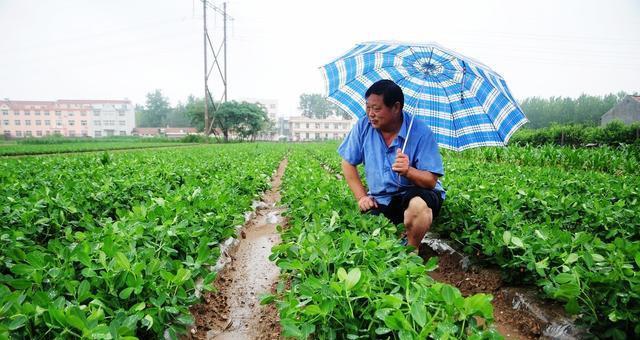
<point x="367" y="203"/>
<point x="401" y="165"/>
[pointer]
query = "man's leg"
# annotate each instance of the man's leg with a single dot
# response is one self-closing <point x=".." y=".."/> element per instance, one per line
<point x="417" y="220"/>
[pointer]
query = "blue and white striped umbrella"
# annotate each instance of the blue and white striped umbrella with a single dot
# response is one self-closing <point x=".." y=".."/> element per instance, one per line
<point x="464" y="102"/>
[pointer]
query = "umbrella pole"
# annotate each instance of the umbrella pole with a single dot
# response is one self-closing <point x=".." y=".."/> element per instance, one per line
<point x="408" y="133"/>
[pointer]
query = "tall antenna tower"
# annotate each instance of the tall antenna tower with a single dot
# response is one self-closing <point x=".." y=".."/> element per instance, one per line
<point x="209" y="103"/>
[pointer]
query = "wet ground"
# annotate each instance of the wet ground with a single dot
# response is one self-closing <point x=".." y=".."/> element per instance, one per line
<point x="519" y="313"/>
<point x="234" y="310"/>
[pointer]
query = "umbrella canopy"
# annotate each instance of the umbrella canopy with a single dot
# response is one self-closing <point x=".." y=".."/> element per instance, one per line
<point x="464" y="102"/>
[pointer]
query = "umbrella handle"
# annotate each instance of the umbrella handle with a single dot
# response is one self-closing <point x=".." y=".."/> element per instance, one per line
<point x="408" y="133"/>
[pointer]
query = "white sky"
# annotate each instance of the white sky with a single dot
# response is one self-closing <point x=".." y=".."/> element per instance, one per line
<point x="112" y="49"/>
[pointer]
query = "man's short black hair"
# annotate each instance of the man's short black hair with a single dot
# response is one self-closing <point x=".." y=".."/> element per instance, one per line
<point x="390" y="92"/>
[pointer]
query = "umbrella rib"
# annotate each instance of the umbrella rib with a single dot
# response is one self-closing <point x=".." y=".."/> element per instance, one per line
<point x="453" y="121"/>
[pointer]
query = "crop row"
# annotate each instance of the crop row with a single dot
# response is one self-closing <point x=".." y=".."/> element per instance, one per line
<point x="32" y="149"/>
<point x="575" y="234"/>
<point x="623" y="160"/>
<point x="118" y="245"/>
<point x="347" y="275"/>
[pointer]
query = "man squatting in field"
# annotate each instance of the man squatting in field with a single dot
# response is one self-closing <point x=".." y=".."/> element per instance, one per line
<point x="404" y="187"/>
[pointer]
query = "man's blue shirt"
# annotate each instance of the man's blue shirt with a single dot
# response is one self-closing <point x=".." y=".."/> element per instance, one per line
<point x="364" y="144"/>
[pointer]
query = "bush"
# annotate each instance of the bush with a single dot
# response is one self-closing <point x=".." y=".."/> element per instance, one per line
<point x="614" y="134"/>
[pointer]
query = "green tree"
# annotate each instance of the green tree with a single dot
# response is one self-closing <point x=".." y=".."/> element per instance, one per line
<point x="246" y="119"/>
<point x="315" y="105"/>
<point x="155" y="111"/>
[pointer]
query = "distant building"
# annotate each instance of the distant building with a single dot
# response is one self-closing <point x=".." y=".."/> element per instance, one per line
<point x="168" y="132"/>
<point x="627" y="111"/>
<point x="69" y="118"/>
<point x="305" y="129"/>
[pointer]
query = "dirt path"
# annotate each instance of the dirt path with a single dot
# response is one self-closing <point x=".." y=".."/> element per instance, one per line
<point x="234" y="311"/>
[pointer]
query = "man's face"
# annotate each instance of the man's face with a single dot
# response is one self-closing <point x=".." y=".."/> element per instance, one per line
<point x="381" y="116"/>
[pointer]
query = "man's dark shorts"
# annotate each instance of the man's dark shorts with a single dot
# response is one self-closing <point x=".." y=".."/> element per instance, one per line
<point x="395" y="210"/>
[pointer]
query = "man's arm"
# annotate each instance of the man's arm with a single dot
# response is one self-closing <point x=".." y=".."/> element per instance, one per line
<point x="422" y="178"/>
<point x="355" y="184"/>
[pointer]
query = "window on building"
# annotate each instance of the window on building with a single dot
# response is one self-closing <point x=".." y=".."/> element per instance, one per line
<point x="27" y="122"/>
<point x="306" y="134"/>
<point x="97" y="123"/>
<point x="85" y="133"/>
<point x="71" y="122"/>
<point x="47" y="133"/>
<point x="27" y="113"/>
<point x="57" y="132"/>
<point x="317" y="125"/>
<point x="97" y="133"/>
<point x="27" y="133"/>
<point x="7" y="133"/>
<point x="335" y="126"/>
<point x="96" y="113"/>
<point x="5" y="122"/>
<point x="16" y="122"/>
<point x="83" y="113"/>
<point x="38" y="122"/>
<point x="121" y="113"/>
<point x="326" y="125"/>
<point x="5" y="112"/>
<point x="121" y="123"/>
<point x="37" y="113"/>
<point x="58" y="122"/>
<point x="72" y="133"/>
<point x="46" y="113"/>
<point x="58" y="113"/>
<point x="18" y="133"/>
<point x="297" y="125"/>
<point x="307" y="126"/>
<point x="39" y="133"/>
<point x="83" y="122"/>
<point x="47" y="122"/>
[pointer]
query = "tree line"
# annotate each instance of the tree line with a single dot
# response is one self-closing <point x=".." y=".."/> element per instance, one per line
<point x="585" y="110"/>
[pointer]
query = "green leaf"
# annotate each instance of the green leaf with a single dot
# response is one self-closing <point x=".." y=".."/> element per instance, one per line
<point x="125" y="293"/>
<point x="352" y="278"/>
<point x="506" y="237"/>
<point x="138" y="307"/>
<point x="597" y="257"/>
<point x="312" y="310"/>
<point x="267" y="299"/>
<point x="638" y="259"/>
<point x="571" y="258"/>
<point x="517" y="242"/>
<point x="22" y="269"/>
<point x="419" y="313"/>
<point x="479" y="304"/>
<point x="17" y="321"/>
<point x="147" y="321"/>
<point x="382" y="330"/>
<point x="84" y="291"/>
<point x="448" y="294"/>
<point x="342" y="274"/>
<point x="123" y="261"/>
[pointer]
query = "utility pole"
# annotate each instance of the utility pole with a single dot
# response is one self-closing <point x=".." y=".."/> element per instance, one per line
<point x="206" y="77"/>
<point x="222" y="72"/>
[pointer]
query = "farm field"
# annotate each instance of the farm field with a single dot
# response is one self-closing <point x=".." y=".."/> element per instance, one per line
<point x="106" y="245"/>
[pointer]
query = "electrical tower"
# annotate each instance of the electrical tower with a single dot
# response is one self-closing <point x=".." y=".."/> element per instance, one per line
<point x="209" y="103"/>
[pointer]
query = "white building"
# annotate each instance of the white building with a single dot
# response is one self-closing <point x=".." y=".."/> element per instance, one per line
<point x="304" y="129"/>
<point x="69" y="118"/>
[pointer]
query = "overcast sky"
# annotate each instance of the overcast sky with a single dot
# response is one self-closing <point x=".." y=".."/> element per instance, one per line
<point x="112" y="49"/>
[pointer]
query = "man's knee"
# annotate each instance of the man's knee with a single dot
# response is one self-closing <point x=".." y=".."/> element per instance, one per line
<point x="417" y="207"/>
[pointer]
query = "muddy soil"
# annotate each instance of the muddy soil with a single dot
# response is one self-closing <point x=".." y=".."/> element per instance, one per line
<point x="512" y="323"/>
<point x="234" y="310"/>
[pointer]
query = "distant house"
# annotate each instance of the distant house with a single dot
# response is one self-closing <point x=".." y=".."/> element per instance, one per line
<point x="626" y="111"/>
<point x="168" y="132"/>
